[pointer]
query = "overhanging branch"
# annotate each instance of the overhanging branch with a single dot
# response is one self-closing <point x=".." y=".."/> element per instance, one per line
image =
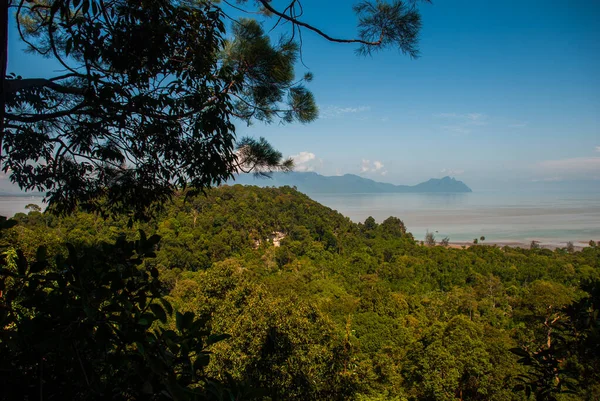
<point x="36" y="118"/>
<point x="12" y="86"/>
<point x="295" y="21"/>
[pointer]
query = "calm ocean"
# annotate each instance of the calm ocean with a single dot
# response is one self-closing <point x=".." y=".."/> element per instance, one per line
<point x="9" y="205"/>
<point x="499" y="216"/>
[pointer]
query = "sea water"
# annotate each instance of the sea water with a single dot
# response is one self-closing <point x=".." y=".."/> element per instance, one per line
<point x="11" y="205"/>
<point x="548" y="217"/>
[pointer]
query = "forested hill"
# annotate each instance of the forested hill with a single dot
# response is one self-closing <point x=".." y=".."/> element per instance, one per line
<point x="345" y="311"/>
<point x="312" y="183"/>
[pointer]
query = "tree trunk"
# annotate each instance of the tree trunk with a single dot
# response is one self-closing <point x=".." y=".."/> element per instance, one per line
<point x="3" y="61"/>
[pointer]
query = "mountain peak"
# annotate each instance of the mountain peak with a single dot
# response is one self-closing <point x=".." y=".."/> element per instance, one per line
<point x="311" y="182"/>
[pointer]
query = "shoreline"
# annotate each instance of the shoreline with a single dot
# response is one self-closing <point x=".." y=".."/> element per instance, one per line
<point x="552" y="245"/>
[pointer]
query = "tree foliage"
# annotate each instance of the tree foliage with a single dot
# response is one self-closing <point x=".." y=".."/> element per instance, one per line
<point x="86" y="327"/>
<point x="149" y="93"/>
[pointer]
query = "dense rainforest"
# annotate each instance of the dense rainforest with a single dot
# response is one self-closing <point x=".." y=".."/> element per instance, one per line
<point x="297" y="302"/>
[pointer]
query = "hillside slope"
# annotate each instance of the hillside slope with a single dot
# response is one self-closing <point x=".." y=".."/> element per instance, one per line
<point x="346" y="311"/>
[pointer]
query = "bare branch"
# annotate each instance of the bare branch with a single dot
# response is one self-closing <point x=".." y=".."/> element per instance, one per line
<point x="14" y="85"/>
<point x="295" y="21"/>
<point x="35" y="118"/>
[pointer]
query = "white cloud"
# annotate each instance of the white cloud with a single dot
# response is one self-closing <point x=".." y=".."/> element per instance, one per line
<point x="549" y="179"/>
<point x="577" y="167"/>
<point x="303" y="157"/>
<point x="365" y="167"/>
<point x="463" y="123"/>
<point x="457" y="129"/>
<point x="446" y="172"/>
<point x="337" y="111"/>
<point x="573" y="164"/>
<point x="518" y="125"/>
<point x="372" y="167"/>
<point x="446" y="115"/>
<point x="306" y="161"/>
<point x="597" y="148"/>
<point x="475" y="117"/>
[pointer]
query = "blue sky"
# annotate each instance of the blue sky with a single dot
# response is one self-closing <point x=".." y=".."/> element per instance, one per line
<point x="504" y="94"/>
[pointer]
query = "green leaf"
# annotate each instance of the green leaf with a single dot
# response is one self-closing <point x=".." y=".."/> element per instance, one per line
<point x="156" y="366"/>
<point x="53" y="277"/>
<point x="188" y="319"/>
<point x="184" y="322"/>
<point x="21" y="262"/>
<point x="519" y="352"/>
<point x="147" y="388"/>
<point x="37" y="267"/>
<point x="140" y="347"/>
<point x="41" y="254"/>
<point x="215" y="338"/>
<point x="201" y="361"/>
<point x="155" y="239"/>
<point x="159" y="312"/>
<point x="167" y="305"/>
<point x="179" y="321"/>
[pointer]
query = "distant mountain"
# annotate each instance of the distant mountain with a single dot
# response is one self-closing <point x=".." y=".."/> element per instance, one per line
<point x="349" y="183"/>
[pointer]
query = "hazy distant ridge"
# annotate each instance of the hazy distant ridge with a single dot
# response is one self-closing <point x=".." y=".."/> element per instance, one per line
<point x="349" y="183"/>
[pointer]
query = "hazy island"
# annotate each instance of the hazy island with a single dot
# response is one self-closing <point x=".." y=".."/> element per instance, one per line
<point x="310" y="182"/>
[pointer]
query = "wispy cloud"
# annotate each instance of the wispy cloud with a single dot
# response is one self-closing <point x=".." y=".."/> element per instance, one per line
<point x="475" y="118"/>
<point x="518" y="125"/>
<point x="337" y="111"/>
<point x="597" y="148"/>
<point x="451" y="172"/>
<point x="577" y="167"/>
<point x="306" y="161"/>
<point x="573" y="164"/>
<point x="372" y="167"/>
<point x="366" y="166"/>
<point x="548" y="179"/>
<point x="457" y="129"/>
<point x="462" y="123"/>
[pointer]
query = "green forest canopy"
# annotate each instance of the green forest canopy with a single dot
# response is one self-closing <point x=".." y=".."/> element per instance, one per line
<point x="349" y="311"/>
